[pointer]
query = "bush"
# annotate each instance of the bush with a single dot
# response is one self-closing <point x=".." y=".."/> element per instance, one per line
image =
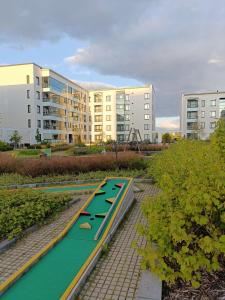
<point x="80" y="150"/>
<point x="21" y="209"/>
<point x="5" y="147"/>
<point x="60" y="147"/>
<point x="69" y="165"/>
<point x="185" y="229"/>
<point x="35" y="146"/>
<point x="29" y="152"/>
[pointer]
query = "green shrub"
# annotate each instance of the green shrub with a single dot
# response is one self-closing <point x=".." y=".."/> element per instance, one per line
<point x="29" y="152"/>
<point x="5" y="147"/>
<point x="60" y="147"/>
<point x="185" y="228"/>
<point x="21" y="209"/>
<point x="35" y="146"/>
<point x="80" y="150"/>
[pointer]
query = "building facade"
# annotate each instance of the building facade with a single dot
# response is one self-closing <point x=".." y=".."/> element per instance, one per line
<point x="116" y="111"/>
<point x="32" y="97"/>
<point x="200" y="112"/>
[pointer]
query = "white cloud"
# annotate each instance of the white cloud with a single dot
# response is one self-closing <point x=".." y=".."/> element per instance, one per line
<point x="92" y="85"/>
<point x="168" y="123"/>
<point x="216" y="61"/>
<point x="176" y="45"/>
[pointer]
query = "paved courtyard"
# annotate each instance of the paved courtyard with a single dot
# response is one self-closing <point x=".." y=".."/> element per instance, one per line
<point x="117" y="273"/>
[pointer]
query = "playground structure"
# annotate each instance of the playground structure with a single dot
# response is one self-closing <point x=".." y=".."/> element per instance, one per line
<point x="59" y="270"/>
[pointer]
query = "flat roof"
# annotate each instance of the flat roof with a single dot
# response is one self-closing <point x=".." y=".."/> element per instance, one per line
<point x="203" y="93"/>
<point x="43" y="68"/>
<point x="122" y="88"/>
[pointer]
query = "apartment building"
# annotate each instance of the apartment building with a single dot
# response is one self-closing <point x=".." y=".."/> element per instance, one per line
<point x="115" y="111"/>
<point x="200" y="112"/>
<point x="32" y="97"/>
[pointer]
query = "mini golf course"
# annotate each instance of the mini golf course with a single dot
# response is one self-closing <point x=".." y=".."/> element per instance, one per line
<point x="59" y="270"/>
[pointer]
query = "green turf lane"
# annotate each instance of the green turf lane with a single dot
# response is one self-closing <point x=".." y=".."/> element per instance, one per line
<point x="49" y="278"/>
<point x="58" y="189"/>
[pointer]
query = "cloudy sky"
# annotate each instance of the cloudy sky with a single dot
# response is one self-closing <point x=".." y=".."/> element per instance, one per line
<point x="178" y="45"/>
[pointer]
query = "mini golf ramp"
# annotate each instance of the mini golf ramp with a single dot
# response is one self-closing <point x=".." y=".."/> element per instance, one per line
<point x="60" y="269"/>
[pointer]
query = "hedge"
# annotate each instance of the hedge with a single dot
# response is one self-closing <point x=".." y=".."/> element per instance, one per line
<point x="23" y="208"/>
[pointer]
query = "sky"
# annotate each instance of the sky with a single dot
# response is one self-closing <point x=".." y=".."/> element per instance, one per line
<point x="177" y="45"/>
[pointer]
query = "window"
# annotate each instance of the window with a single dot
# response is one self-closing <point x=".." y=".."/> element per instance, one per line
<point x="147" y="96"/>
<point x="212" y="125"/>
<point x="147" y="117"/>
<point x="120" y="137"/>
<point x="37" y="80"/>
<point x="202" y="125"/>
<point x="28" y="109"/>
<point x="120" y="127"/>
<point x="98" y="138"/>
<point x="119" y="106"/>
<point x="146" y="136"/>
<point x="192" y="114"/>
<point x="39" y="123"/>
<point x="127" y="97"/>
<point x="28" y="94"/>
<point x="108" y="107"/>
<point x="38" y="109"/>
<point x="213" y="114"/>
<point x="192" y="126"/>
<point x="108" y="117"/>
<point x="203" y="114"/>
<point x="108" y="98"/>
<point x="108" y="128"/>
<point x="28" y="79"/>
<point x="29" y="123"/>
<point x="213" y="102"/>
<point x="127" y="117"/>
<point x="98" y="128"/>
<point x="192" y="103"/>
<point x="98" y="108"/>
<point x="38" y="95"/>
<point x="127" y="107"/>
<point x="127" y="127"/>
<point x="203" y="103"/>
<point x="98" y="118"/>
<point x="146" y="126"/>
<point x="147" y="106"/>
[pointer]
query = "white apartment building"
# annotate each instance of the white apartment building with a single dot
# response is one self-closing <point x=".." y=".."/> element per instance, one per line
<point x="115" y="111"/>
<point x="32" y="97"/>
<point x="200" y="112"/>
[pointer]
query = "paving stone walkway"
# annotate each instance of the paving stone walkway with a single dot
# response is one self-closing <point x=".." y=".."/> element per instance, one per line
<point x="117" y="273"/>
<point x="23" y="250"/>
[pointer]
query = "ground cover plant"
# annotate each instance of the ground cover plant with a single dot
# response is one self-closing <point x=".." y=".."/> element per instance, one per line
<point x="185" y="228"/>
<point x="12" y="179"/>
<point x="20" y="209"/>
<point x="70" y="165"/>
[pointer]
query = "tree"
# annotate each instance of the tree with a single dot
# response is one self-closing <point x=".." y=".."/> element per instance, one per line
<point x="15" y="138"/>
<point x="38" y="136"/>
<point x="166" y="138"/>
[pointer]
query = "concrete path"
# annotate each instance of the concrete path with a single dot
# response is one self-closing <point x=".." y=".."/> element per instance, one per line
<point x="117" y="274"/>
